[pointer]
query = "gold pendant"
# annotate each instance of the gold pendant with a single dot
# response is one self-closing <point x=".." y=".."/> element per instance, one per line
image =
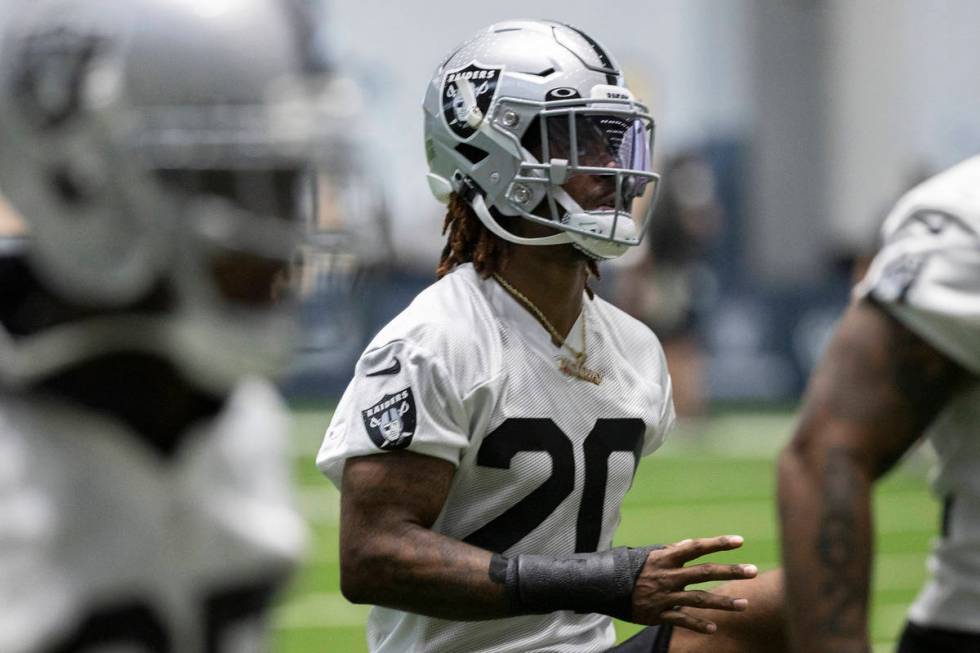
<point x="579" y="370"/>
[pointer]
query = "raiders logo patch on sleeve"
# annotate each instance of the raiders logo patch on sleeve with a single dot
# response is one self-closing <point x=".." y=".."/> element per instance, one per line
<point x="391" y="422"/>
<point x="898" y="277"/>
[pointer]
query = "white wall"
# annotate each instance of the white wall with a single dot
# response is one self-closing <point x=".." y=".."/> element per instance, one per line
<point x="902" y="84"/>
<point x="687" y="57"/>
<point x="905" y="93"/>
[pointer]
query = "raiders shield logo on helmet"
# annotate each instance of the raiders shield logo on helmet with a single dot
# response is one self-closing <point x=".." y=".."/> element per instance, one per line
<point x="467" y="94"/>
<point x="52" y="72"/>
<point x="899" y="275"/>
<point x="391" y="422"/>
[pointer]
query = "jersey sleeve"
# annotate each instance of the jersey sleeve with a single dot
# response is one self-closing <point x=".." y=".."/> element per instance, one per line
<point x="401" y="397"/>
<point x="928" y="276"/>
<point x="658" y="430"/>
<point x="668" y="418"/>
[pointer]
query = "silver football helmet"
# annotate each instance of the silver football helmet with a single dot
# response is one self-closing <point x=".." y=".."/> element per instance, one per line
<point x="523" y="107"/>
<point x="147" y="144"/>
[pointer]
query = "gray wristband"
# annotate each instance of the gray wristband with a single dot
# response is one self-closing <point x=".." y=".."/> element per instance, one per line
<point x="583" y="582"/>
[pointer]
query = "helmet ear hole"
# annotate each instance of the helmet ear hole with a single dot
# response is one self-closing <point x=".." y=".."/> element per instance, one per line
<point x="473" y="154"/>
<point x="66" y="188"/>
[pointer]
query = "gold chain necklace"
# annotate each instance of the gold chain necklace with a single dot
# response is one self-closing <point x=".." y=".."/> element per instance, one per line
<point x="575" y="367"/>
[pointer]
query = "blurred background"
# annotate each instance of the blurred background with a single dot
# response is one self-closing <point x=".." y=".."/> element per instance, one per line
<point x="786" y="129"/>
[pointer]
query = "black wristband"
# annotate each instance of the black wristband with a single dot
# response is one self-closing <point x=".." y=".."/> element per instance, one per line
<point x="583" y="582"/>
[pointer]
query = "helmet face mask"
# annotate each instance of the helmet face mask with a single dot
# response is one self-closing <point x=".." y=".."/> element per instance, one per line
<point x="543" y="106"/>
<point x="608" y="145"/>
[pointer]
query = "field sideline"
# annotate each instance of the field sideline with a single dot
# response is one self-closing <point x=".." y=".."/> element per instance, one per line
<point x="710" y="480"/>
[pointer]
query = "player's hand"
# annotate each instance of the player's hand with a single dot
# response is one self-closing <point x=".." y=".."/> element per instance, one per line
<point x="660" y="591"/>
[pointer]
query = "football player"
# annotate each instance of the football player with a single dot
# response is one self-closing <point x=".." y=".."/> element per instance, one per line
<point x="491" y="430"/>
<point x="903" y="365"/>
<point x="161" y="154"/>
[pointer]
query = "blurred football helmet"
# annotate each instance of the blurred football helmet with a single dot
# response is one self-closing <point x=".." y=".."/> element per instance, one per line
<point x="522" y="107"/>
<point x="165" y="147"/>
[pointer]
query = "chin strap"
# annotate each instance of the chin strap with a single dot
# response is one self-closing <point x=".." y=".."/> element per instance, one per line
<point x="598" y="247"/>
<point x="480" y="208"/>
<point x="572" y="208"/>
<point x="565" y="201"/>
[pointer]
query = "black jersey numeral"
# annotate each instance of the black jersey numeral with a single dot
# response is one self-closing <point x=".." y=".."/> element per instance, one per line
<point x="540" y="434"/>
<point x="497" y="450"/>
<point x="607" y="436"/>
<point x="136" y="625"/>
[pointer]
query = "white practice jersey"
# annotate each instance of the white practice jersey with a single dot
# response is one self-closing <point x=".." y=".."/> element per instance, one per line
<point x="467" y="374"/>
<point x="107" y="546"/>
<point x="928" y="276"/>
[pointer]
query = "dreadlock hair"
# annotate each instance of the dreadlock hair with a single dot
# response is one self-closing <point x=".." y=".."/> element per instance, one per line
<point x="469" y="241"/>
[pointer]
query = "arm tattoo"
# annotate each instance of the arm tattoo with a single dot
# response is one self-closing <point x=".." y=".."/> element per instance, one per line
<point x="843" y="568"/>
<point x="876" y="391"/>
<point x="390" y="555"/>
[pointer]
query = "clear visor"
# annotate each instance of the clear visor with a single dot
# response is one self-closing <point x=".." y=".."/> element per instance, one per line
<point x="599" y="141"/>
<point x="601" y="157"/>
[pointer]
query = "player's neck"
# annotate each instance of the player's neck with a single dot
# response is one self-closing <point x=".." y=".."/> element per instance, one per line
<point x="552" y="278"/>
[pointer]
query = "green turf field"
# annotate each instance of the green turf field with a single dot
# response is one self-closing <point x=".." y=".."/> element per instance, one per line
<point x="710" y="480"/>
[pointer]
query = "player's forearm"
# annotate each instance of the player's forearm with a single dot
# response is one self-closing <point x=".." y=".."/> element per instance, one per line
<point x="824" y="502"/>
<point x="418" y="570"/>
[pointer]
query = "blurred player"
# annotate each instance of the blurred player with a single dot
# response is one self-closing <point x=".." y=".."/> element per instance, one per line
<point x="491" y="430"/>
<point x="902" y="365"/>
<point x="670" y="287"/>
<point x="160" y="153"/>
